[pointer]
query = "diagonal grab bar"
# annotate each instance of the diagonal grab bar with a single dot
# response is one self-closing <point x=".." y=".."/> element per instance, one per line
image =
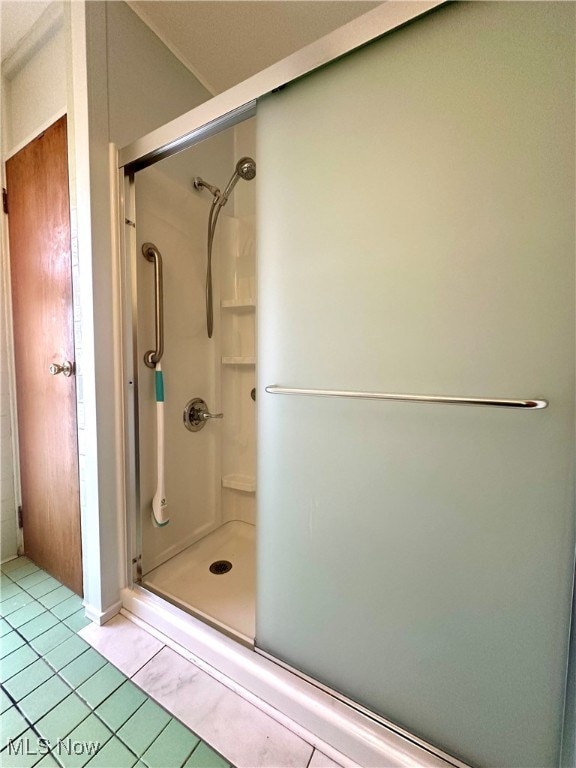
<point x="151" y="253"/>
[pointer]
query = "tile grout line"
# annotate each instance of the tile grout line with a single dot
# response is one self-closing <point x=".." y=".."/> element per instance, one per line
<point x="73" y="690"/>
<point x="172" y="716"/>
<point x="143" y="665"/>
<point x="56" y="673"/>
<point x="201" y="740"/>
<point x="93" y="711"/>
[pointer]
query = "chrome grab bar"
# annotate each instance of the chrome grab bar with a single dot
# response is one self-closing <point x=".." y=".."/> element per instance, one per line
<point x="274" y="389"/>
<point x="151" y="253"/>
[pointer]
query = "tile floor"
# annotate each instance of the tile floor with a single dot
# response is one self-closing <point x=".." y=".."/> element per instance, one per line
<point x="62" y="703"/>
<point x="244" y="734"/>
<point x="72" y="683"/>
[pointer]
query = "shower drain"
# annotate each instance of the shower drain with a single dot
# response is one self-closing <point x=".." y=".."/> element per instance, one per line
<point x="220" y="566"/>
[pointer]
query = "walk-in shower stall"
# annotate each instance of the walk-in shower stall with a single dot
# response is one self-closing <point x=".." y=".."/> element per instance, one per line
<point x="349" y="377"/>
<point x="201" y="553"/>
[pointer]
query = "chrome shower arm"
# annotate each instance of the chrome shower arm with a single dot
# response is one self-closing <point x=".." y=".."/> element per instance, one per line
<point x="199" y="183"/>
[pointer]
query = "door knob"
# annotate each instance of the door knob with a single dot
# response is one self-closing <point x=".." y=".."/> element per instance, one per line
<point x="67" y="368"/>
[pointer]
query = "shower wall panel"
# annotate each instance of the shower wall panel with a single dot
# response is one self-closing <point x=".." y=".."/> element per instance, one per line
<point x="174" y="217"/>
<point x="416" y="235"/>
<point x="238" y="323"/>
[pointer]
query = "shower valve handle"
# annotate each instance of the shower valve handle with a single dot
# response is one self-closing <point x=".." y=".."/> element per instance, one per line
<point x="196" y="414"/>
<point x="205" y="415"/>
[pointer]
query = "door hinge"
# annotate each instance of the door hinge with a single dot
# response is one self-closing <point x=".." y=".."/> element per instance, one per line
<point x="4" y="200"/>
<point x="20" y="518"/>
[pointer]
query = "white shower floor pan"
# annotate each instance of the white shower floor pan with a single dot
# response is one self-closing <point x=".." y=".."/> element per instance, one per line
<point x="227" y="600"/>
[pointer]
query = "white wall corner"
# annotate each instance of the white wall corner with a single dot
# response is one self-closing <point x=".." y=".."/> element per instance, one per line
<point x="101" y="617"/>
<point x="176" y="52"/>
<point x="91" y="200"/>
<point x="45" y="28"/>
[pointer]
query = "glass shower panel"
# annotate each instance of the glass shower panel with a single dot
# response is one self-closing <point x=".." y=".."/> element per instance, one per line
<point x="416" y="235"/>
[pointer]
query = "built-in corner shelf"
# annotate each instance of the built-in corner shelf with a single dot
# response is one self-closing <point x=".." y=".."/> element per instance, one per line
<point x="239" y="483"/>
<point x="238" y="304"/>
<point x="239" y="360"/>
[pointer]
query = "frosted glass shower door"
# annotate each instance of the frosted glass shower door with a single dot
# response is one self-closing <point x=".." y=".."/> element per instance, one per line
<point x="416" y="235"/>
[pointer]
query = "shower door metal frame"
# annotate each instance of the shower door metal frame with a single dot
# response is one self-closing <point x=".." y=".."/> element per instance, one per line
<point x="239" y="102"/>
<point x="128" y="247"/>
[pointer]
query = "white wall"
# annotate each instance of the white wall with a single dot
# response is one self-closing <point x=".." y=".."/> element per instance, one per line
<point x="37" y="91"/>
<point x="147" y="85"/>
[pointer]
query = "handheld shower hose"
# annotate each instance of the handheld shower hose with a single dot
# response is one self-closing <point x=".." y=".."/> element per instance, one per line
<point x="245" y="169"/>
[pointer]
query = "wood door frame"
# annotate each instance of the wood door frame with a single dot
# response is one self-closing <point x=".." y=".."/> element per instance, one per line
<point x="60" y="117"/>
<point x="7" y="320"/>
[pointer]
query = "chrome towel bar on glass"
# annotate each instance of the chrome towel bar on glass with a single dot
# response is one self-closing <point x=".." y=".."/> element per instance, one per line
<point x="274" y="389"/>
<point x="151" y="253"/>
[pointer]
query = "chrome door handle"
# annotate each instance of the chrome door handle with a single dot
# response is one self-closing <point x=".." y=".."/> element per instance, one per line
<point x="67" y="368"/>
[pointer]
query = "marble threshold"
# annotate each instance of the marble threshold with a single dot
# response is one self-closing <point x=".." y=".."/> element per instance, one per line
<point x="240" y="731"/>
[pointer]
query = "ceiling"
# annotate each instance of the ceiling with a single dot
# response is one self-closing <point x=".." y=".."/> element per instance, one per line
<point x="225" y="41"/>
<point x="18" y="18"/>
<point x="222" y="42"/>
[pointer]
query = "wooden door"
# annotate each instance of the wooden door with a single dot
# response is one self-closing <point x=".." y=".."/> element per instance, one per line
<point x="40" y="257"/>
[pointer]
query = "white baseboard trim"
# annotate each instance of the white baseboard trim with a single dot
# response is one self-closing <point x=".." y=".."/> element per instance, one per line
<point x="321" y="719"/>
<point x="101" y="617"/>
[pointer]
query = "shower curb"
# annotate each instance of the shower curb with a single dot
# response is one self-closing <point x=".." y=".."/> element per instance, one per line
<point x="343" y="733"/>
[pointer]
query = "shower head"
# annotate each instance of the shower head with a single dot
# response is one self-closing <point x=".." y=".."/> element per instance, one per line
<point x="245" y="169"/>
